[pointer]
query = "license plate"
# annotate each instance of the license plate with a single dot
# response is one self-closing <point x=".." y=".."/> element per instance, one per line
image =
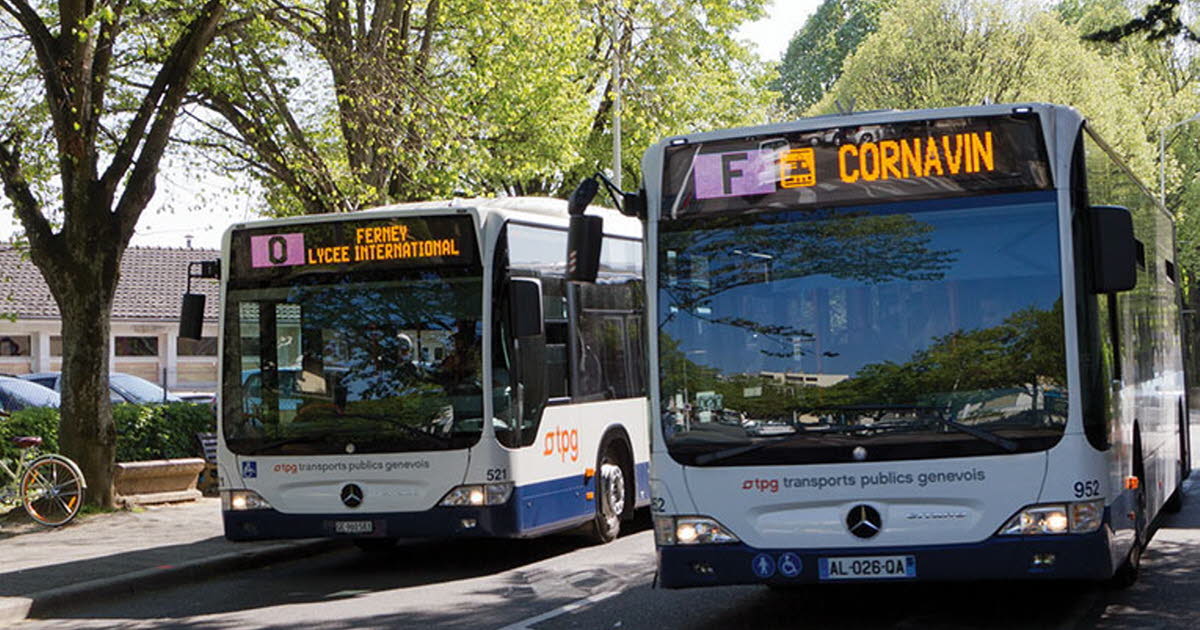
<point x="353" y="527"/>
<point x="867" y="567"/>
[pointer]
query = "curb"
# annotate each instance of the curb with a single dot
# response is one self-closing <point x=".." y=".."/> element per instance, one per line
<point x="15" y="609"/>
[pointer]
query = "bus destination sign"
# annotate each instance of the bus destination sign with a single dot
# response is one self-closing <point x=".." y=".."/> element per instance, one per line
<point x="426" y="241"/>
<point x="865" y="164"/>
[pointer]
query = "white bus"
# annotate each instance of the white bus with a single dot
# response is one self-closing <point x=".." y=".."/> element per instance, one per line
<point x="909" y="346"/>
<point x="425" y="370"/>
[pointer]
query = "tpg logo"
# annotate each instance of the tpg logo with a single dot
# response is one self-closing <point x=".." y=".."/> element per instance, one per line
<point x="762" y="485"/>
<point x="562" y="442"/>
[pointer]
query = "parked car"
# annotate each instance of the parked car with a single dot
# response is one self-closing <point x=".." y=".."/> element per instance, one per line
<point x="122" y="388"/>
<point x="199" y="398"/>
<point x="17" y="394"/>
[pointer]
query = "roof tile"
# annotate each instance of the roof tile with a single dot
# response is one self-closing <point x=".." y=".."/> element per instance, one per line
<point x="153" y="281"/>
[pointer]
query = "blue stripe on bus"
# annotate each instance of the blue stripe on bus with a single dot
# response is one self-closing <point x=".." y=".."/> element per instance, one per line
<point x="550" y="504"/>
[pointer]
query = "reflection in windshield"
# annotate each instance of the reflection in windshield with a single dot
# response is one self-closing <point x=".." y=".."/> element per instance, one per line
<point x="914" y="330"/>
<point x="355" y="363"/>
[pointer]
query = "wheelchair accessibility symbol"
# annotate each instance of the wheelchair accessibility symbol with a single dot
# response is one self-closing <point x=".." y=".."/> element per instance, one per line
<point x="763" y="565"/>
<point x="249" y="470"/>
<point x="789" y="565"/>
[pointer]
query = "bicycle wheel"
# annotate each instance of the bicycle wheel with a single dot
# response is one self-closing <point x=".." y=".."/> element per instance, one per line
<point x="52" y="490"/>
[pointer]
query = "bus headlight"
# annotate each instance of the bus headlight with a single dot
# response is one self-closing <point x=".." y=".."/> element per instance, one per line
<point x="478" y="494"/>
<point x="690" y="530"/>
<point x="1055" y="518"/>
<point x="241" y="500"/>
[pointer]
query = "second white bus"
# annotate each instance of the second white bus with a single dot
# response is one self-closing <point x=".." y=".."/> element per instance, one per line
<point x="427" y="371"/>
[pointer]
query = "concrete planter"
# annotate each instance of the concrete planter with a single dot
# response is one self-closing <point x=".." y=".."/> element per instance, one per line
<point x="157" y="481"/>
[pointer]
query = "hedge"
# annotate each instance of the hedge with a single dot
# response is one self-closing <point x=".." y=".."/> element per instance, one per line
<point x="143" y="431"/>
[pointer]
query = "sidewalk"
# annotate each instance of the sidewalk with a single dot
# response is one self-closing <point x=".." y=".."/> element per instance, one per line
<point x="123" y="552"/>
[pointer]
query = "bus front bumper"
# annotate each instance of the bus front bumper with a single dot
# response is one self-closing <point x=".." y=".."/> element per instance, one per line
<point x="438" y="522"/>
<point x="1060" y="557"/>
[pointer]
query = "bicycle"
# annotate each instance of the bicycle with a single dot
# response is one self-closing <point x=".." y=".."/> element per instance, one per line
<point x="48" y="485"/>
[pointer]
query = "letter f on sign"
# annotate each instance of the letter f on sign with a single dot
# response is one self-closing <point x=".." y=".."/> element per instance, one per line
<point x="728" y="173"/>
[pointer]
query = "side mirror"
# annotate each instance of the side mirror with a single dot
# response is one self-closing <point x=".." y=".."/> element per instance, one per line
<point x="579" y="200"/>
<point x="525" y="307"/>
<point x="191" y="317"/>
<point x="1114" y="249"/>
<point x="585" y="236"/>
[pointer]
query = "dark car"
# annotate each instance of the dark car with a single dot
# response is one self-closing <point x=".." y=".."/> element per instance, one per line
<point x="17" y="394"/>
<point x="122" y="388"/>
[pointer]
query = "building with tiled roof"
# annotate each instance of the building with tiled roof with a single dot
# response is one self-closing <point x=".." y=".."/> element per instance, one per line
<point x="145" y="318"/>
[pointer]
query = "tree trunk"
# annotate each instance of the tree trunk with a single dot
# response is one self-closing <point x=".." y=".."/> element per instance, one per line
<point x="87" y="433"/>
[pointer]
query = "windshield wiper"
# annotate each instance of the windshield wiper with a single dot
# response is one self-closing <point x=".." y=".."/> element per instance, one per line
<point x="976" y="432"/>
<point x="734" y="451"/>
<point x="406" y="428"/>
<point x="304" y="439"/>
<point x="937" y="415"/>
<point x="334" y="435"/>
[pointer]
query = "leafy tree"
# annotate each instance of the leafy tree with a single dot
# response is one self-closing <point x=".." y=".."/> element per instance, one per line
<point x="684" y="70"/>
<point x="110" y="77"/>
<point x="952" y="53"/>
<point x="1161" y="20"/>
<point x="814" y="57"/>
<point x="1168" y="44"/>
<point x="340" y="105"/>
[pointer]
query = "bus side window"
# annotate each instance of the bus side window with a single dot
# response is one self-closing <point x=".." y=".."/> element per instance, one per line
<point x="607" y="355"/>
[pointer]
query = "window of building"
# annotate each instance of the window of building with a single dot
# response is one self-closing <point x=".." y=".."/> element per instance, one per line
<point x="14" y="345"/>
<point x="136" y="346"/>
<point x="203" y="347"/>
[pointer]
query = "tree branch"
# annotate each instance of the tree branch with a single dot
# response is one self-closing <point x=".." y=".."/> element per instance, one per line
<point x="173" y="80"/>
<point x="25" y="203"/>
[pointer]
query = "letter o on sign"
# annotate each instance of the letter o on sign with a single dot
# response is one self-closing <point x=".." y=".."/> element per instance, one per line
<point x="277" y="250"/>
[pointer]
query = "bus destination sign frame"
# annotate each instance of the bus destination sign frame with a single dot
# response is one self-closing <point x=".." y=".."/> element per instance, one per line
<point x="398" y="242"/>
<point x="849" y="165"/>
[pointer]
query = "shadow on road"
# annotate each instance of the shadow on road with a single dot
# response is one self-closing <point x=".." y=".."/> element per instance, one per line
<point x="345" y="574"/>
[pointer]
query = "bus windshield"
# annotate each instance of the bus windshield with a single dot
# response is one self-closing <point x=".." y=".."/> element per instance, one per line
<point x="354" y="362"/>
<point x="909" y="330"/>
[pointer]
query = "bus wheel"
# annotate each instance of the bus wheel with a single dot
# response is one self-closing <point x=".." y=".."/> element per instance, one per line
<point x="374" y="545"/>
<point x="610" y="495"/>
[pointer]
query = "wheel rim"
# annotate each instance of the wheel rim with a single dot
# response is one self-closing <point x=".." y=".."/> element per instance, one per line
<point x="51" y="492"/>
<point x="612" y="480"/>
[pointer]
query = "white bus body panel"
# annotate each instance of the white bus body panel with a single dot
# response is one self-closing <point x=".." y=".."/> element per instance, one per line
<point x="922" y="503"/>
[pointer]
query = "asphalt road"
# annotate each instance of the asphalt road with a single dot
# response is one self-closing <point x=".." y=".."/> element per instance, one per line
<point x="562" y="582"/>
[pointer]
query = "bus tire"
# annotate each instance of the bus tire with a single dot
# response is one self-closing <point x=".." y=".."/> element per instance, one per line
<point x="612" y="473"/>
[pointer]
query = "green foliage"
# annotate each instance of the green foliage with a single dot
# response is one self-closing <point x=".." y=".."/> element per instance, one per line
<point x="963" y="52"/>
<point x="425" y="99"/>
<point x="35" y="421"/>
<point x="143" y="431"/>
<point x="160" y="431"/>
<point x="814" y="57"/>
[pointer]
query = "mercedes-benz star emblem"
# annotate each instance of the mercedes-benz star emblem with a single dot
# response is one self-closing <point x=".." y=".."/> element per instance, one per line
<point x="352" y="495"/>
<point x="863" y="521"/>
